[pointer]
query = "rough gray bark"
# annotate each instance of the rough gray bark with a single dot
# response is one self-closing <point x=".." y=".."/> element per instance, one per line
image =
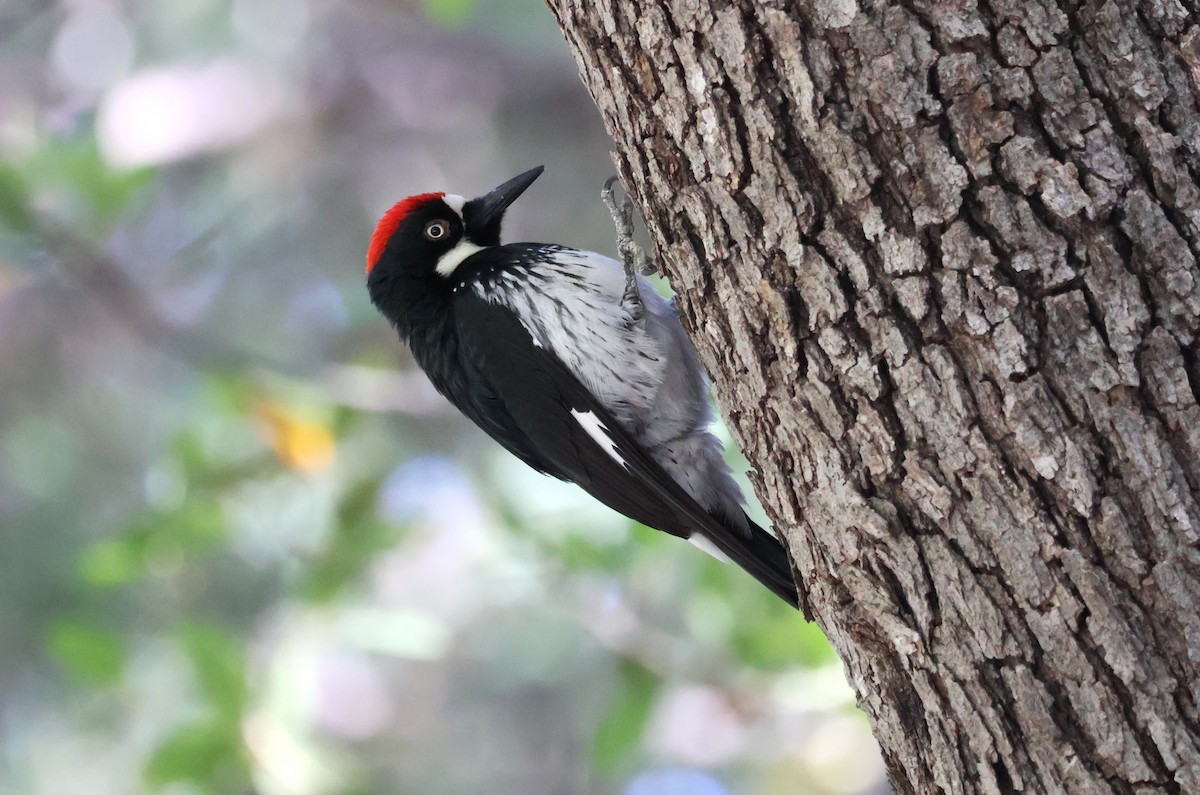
<point x="940" y="261"/>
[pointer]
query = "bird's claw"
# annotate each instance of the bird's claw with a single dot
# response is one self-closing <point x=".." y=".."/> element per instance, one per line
<point x="633" y="257"/>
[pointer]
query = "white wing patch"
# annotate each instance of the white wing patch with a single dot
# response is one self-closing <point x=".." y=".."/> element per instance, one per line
<point x="595" y="429"/>
<point x="449" y="262"/>
<point x="702" y="543"/>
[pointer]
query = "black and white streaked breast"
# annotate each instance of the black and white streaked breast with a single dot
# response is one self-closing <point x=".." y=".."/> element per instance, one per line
<point x="570" y="302"/>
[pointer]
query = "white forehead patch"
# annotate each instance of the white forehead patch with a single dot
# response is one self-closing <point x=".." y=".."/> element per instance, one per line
<point x="455" y="203"/>
<point x="449" y="262"/>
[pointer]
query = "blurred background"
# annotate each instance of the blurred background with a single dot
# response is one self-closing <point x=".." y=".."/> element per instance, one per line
<point x="244" y="547"/>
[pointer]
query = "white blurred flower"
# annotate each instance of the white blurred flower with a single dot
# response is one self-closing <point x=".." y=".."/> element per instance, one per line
<point x="162" y="115"/>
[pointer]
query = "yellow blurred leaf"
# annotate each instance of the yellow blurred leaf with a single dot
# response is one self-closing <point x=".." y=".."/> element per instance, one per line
<point x="299" y="443"/>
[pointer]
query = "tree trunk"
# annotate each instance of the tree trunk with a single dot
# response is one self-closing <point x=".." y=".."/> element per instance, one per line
<point x="939" y="259"/>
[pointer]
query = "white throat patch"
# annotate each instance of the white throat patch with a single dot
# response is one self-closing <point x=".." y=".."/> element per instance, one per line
<point x="449" y="262"/>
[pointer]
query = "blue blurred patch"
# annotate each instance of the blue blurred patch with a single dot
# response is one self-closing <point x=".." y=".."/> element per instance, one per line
<point x="675" y="781"/>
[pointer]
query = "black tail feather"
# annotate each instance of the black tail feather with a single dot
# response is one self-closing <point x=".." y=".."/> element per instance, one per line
<point x="761" y="554"/>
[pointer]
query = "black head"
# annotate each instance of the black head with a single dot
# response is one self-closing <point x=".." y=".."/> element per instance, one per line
<point x="432" y="233"/>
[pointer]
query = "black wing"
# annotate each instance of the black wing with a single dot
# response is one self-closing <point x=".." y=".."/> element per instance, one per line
<point x="458" y="380"/>
<point x="579" y="440"/>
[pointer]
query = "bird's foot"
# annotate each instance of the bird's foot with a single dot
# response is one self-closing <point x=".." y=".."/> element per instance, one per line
<point x="633" y="256"/>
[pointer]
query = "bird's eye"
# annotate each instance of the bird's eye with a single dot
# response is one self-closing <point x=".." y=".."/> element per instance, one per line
<point x="436" y="230"/>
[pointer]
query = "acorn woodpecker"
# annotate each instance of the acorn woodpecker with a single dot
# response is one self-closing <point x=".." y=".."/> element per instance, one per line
<point x="571" y="361"/>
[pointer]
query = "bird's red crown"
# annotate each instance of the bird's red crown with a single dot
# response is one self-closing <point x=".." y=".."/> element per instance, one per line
<point x="391" y="221"/>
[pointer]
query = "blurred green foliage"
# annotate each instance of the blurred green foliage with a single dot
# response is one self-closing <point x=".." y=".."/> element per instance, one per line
<point x="208" y="751"/>
<point x="89" y="194"/>
<point x="93" y="656"/>
<point x="448" y="13"/>
<point x="621" y="728"/>
<point x="15" y="212"/>
<point x="357" y="537"/>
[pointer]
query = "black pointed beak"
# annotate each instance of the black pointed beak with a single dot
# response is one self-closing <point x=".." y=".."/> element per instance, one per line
<point x="483" y="215"/>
